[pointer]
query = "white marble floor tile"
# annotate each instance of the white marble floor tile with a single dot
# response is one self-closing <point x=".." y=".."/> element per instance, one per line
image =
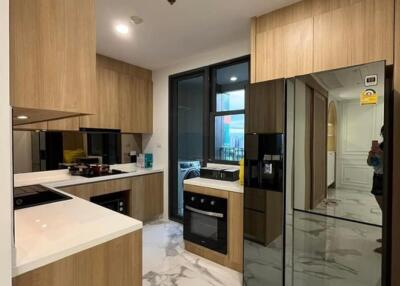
<point x="351" y="204"/>
<point x="326" y="252"/>
<point x="333" y="252"/>
<point x="166" y="263"/>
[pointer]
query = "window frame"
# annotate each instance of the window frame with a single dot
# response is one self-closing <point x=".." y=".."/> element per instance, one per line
<point x="213" y="104"/>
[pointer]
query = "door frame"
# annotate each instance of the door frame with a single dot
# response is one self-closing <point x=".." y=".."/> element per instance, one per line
<point x="172" y="134"/>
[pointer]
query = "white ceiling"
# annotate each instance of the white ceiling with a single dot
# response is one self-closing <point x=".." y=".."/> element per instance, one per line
<point x="347" y="83"/>
<point x="172" y="33"/>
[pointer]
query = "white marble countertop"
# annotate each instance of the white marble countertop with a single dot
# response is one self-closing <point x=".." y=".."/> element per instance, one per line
<point x="215" y="184"/>
<point x="62" y="178"/>
<point x="47" y="233"/>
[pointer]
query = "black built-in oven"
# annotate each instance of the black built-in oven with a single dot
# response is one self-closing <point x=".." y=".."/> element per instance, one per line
<point x="205" y="221"/>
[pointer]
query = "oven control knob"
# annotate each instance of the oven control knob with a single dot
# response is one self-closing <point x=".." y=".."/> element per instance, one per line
<point x="192" y="199"/>
<point x="212" y="203"/>
<point x="202" y="201"/>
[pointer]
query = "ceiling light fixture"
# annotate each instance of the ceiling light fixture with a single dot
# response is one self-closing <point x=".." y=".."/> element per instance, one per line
<point x="122" y="29"/>
<point x="172" y="2"/>
<point x="22" y="117"/>
<point x="234" y="78"/>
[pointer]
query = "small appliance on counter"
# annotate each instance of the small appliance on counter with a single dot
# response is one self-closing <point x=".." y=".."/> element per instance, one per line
<point x="220" y="173"/>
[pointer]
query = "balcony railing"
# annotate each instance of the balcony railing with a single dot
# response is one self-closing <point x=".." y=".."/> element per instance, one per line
<point x="230" y="154"/>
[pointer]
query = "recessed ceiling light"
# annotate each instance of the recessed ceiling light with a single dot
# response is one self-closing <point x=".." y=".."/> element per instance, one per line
<point x="122" y="29"/>
<point x="234" y="78"/>
<point x="22" y="117"/>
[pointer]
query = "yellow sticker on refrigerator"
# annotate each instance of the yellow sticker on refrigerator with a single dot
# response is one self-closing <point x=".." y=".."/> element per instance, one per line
<point x="368" y="97"/>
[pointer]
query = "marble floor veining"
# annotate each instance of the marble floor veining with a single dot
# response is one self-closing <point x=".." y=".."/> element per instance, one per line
<point x="326" y="252"/>
<point x="166" y="263"/>
<point x="351" y="204"/>
<point x="322" y="251"/>
<point x="333" y="252"/>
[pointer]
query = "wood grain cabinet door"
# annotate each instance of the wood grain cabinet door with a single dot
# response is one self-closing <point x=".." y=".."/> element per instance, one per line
<point x="153" y="196"/>
<point x="354" y="34"/>
<point x="147" y="201"/>
<point x="284" y="51"/>
<point x="265" y="107"/>
<point x="53" y="55"/>
<point x="143" y="94"/>
<point x="107" y="104"/>
<point x="136" y="104"/>
<point x="67" y="124"/>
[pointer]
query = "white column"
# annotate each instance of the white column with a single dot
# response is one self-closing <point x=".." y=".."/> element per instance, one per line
<point x="6" y="240"/>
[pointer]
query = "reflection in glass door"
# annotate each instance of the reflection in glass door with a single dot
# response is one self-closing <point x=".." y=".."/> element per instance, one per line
<point x="187" y="126"/>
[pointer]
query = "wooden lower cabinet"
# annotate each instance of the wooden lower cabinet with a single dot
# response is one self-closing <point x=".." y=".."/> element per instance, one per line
<point x="114" y="263"/>
<point x="263" y="215"/>
<point x="234" y="258"/>
<point x="147" y="197"/>
<point x="145" y="193"/>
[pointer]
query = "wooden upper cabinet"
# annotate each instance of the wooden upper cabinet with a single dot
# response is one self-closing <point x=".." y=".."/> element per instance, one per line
<point x="284" y="51"/>
<point x="31" y="127"/>
<point x="265" y="107"/>
<point x="53" y="55"/>
<point x="136" y="104"/>
<point x="107" y="115"/>
<point x="124" y="98"/>
<point x="357" y="34"/>
<point x="320" y="35"/>
<point x="66" y="124"/>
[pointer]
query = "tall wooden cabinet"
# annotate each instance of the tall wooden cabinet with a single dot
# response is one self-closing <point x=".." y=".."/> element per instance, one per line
<point x="52" y="57"/>
<point x="265" y="107"/>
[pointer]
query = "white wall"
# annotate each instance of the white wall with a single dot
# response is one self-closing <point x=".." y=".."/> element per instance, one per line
<point x="157" y="143"/>
<point x="5" y="150"/>
<point x="357" y="127"/>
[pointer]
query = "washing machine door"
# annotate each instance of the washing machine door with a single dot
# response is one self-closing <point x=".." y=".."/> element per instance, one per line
<point x="192" y="173"/>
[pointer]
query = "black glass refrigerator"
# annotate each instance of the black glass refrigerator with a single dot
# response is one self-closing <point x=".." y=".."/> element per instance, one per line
<point x="264" y="191"/>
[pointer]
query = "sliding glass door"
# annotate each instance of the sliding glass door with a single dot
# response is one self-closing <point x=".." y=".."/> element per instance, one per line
<point x="188" y="129"/>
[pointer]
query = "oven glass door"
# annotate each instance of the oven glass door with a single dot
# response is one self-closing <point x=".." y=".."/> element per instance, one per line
<point x="206" y="229"/>
<point x="204" y="226"/>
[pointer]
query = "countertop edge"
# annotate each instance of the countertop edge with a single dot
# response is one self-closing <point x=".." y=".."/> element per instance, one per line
<point x="79" y="180"/>
<point x="22" y="269"/>
<point x="215" y="185"/>
<point x="85" y="181"/>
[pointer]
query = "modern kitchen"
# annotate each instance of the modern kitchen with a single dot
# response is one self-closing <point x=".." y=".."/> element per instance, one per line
<point x="184" y="142"/>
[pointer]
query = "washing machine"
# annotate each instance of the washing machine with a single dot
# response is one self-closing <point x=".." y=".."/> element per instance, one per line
<point x="186" y="170"/>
